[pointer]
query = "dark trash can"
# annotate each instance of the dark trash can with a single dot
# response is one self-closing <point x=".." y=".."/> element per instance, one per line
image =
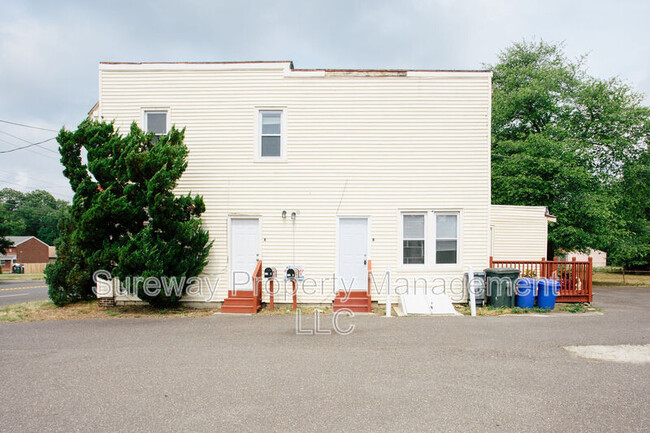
<point x="500" y="286"/>
<point x="526" y="288"/>
<point x="547" y="291"/>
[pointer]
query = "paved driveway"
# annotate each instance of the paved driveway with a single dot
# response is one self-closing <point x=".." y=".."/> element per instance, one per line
<point x="392" y="374"/>
<point x="15" y="291"/>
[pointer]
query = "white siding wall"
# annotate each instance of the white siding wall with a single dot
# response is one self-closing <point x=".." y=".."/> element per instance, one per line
<point x="519" y="232"/>
<point x="366" y="146"/>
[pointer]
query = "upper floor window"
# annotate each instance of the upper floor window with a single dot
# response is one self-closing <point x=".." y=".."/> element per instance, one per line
<point x="271" y="141"/>
<point x="156" y="122"/>
<point x="446" y="238"/>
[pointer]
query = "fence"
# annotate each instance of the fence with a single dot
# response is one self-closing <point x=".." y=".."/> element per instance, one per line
<point x="34" y="268"/>
<point x="575" y="277"/>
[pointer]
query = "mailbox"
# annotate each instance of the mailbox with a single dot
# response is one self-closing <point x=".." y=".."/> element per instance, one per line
<point x="270" y="272"/>
<point x="294" y="273"/>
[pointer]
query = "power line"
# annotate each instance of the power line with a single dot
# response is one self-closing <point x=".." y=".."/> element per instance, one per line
<point x="27" y="126"/>
<point x="29" y="145"/>
<point x="29" y="142"/>
<point x="30" y="150"/>
<point x="36" y="187"/>
<point x="58" y="186"/>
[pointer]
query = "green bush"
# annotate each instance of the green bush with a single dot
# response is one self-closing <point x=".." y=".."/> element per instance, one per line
<point x="125" y="217"/>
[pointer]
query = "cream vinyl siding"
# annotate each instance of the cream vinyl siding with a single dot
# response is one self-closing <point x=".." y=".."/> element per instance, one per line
<point x="356" y="145"/>
<point x="519" y="232"/>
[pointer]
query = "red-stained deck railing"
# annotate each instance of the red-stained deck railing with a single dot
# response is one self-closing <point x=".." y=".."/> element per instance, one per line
<point x="575" y="277"/>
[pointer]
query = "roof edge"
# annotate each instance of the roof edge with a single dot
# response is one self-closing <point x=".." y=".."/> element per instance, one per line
<point x="28" y="237"/>
<point x="288" y="64"/>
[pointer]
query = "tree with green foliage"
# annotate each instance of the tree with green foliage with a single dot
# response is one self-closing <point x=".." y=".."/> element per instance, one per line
<point x="632" y="248"/>
<point x="4" y="231"/>
<point x="561" y="139"/>
<point x="125" y="217"/>
<point x="36" y="213"/>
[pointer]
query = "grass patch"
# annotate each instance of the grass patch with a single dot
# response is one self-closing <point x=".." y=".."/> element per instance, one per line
<point x="576" y="308"/>
<point x="490" y="310"/>
<point x="12" y="277"/>
<point x="46" y="310"/>
<point x="608" y="278"/>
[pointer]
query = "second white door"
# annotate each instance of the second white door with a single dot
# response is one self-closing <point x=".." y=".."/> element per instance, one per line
<point x="353" y="254"/>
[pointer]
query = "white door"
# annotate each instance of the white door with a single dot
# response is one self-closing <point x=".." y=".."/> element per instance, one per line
<point x="353" y="254"/>
<point x="244" y="252"/>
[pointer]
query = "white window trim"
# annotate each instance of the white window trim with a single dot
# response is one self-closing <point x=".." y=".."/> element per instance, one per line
<point x="401" y="240"/>
<point x="165" y="110"/>
<point x="258" y="135"/>
<point x="457" y="239"/>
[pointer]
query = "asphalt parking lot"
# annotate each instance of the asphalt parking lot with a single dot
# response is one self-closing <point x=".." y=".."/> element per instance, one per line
<point x="16" y="291"/>
<point x="251" y="373"/>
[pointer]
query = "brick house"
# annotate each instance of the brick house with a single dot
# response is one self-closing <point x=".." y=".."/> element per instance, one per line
<point x="24" y="250"/>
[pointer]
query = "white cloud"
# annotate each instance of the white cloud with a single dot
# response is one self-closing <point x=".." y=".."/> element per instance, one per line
<point x="49" y="51"/>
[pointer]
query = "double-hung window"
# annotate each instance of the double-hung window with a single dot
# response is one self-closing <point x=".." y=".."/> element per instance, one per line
<point x="156" y="122"/>
<point x="271" y="142"/>
<point x="446" y="238"/>
<point x="413" y="239"/>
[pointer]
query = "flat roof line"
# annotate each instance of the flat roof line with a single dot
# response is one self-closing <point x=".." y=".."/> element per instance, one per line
<point x="257" y="62"/>
<point x="395" y="70"/>
<point x="196" y="63"/>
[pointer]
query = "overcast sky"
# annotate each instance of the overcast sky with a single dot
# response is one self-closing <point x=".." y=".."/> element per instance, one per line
<point x="50" y="50"/>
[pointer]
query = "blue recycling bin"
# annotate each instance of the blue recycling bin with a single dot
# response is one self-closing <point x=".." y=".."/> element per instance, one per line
<point x="526" y="292"/>
<point x="547" y="291"/>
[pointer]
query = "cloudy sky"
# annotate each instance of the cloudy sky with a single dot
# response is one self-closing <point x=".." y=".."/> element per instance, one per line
<point x="50" y="50"/>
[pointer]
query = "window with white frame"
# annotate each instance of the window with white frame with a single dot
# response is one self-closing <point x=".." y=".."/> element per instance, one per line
<point x="271" y="140"/>
<point x="156" y="122"/>
<point x="446" y="238"/>
<point x="413" y="239"/>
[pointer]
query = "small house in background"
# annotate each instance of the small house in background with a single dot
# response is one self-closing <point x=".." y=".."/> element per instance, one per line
<point x="26" y="250"/>
<point x="599" y="257"/>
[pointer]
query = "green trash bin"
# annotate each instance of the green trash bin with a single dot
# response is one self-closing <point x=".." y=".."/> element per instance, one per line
<point x="500" y="286"/>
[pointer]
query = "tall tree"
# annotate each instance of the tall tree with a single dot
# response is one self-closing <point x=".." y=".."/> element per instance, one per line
<point x="560" y="139"/>
<point x="36" y="213"/>
<point x="4" y="242"/>
<point x="631" y="248"/>
<point x="125" y="218"/>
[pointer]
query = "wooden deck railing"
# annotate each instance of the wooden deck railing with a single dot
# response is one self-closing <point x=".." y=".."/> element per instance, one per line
<point x="575" y="277"/>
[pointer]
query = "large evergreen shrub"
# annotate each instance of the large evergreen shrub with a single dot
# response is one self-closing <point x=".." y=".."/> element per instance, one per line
<point x="125" y="217"/>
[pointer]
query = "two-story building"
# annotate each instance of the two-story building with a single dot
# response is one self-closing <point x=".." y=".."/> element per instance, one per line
<point x="29" y="251"/>
<point x="329" y="170"/>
